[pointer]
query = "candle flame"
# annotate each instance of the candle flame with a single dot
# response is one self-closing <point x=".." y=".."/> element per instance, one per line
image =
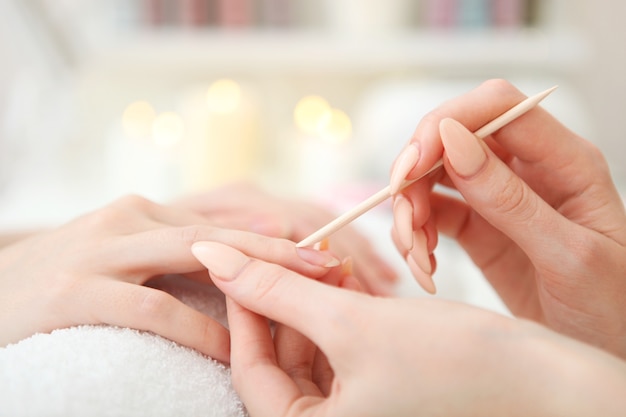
<point x="167" y="130"/>
<point x="137" y="119"/>
<point x="224" y="96"/>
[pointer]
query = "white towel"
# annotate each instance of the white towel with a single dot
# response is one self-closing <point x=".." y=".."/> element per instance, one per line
<point x="109" y="371"/>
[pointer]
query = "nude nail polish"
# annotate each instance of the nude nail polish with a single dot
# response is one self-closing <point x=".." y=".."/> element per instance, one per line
<point x="403" y="220"/>
<point x="463" y="149"/>
<point x="318" y="258"/>
<point x="222" y="261"/>
<point x="404" y="164"/>
<point x="419" y="252"/>
<point x="347" y="267"/>
<point x="423" y="279"/>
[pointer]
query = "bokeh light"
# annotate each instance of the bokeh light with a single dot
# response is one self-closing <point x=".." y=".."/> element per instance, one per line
<point x="337" y="129"/>
<point x="311" y="114"/>
<point x="223" y="96"/>
<point x="167" y="130"/>
<point x="137" y="120"/>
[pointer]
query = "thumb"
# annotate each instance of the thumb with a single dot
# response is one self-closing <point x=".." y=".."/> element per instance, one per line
<point x="493" y="190"/>
<point x="268" y="289"/>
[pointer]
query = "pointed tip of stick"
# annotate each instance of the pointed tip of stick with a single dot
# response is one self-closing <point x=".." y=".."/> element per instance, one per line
<point x="540" y="96"/>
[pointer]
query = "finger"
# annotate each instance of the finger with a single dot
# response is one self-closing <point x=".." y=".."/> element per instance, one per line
<point x="559" y="165"/>
<point x="371" y="268"/>
<point x="168" y="251"/>
<point x="323" y="375"/>
<point x="295" y="356"/>
<point x="144" y="308"/>
<point x="272" y="225"/>
<point x="473" y="109"/>
<point x="263" y="387"/>
<point x="324" y="314"/>
<point x="421" y="263"/>
<point x="234" y="197"/>
<point x="489" y="248"/>
<point x="160" y="214"/>
<point x="500" y="196"/>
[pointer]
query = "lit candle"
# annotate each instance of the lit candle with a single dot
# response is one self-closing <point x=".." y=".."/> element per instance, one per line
<point x="323" y="144"/>
<point x="143" y="152"/>
<point x="223" y="138"/>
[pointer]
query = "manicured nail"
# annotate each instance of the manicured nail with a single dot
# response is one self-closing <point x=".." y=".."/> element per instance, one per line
<point x="462" y="148"/>
<point x="404" y="164"/>
<point x="403" y="220"/>
<point x="419" y="252"/>
<point x="423" y="279"/>
<point x="222" y="261"/>
<point x="347" y="266"/>
<point x="324" y="244"/>
<point x="318" y="258"/>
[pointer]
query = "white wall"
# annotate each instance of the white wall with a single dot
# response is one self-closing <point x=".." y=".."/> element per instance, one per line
<point x="603" y="22"/>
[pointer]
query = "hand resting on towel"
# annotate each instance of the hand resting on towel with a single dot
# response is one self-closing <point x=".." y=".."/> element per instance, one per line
<point x="92" y="271"/>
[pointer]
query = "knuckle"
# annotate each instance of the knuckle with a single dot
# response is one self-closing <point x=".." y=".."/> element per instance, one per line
<point x="270" y="283"/>
<point x="586" y="253"/>
<point x="190" y="234"/>
<point x="116" y="212"/>
<point x="433" y="117"/>
<point x="514" y="198"/>
<point x="499" y="85"/>
<point x="133" y="200"/>
<point x="154" y="304"/>
<point x="596" y="156"/>
<point x="104" y="217"/>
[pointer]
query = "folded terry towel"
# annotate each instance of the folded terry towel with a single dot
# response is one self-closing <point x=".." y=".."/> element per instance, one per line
<point x="109" y="371"/>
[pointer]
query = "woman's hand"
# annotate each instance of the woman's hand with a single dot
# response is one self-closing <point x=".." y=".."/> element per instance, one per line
<point x="395" y="357"/>
<point x="541" y="216"/>
<point x="91" y="271"/>
<point x="246" y="207"/>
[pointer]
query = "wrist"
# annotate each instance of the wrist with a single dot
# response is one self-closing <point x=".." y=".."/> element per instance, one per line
<point x="568" y="377"/>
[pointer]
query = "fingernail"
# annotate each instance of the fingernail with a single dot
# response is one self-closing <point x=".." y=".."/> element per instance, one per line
<point x="318" y="258"/>
<point x="347" y="266"/>
<point x="404" y="164"/>
<point x="423" y="279"/>
<point x="403" y="220"/>
<point x="324" y="244"/>
<point x="222" y="261"/>
<point x="419" y="252"/>
<point x="462" y="148"/>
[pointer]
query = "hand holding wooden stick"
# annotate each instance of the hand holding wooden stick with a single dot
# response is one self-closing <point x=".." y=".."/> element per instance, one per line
<point x="385" y="193"/>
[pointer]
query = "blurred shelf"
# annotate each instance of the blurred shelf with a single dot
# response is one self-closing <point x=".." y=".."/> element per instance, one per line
<point x="300" y="52"/>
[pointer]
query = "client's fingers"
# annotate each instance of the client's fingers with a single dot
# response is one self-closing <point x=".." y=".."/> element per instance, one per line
<point x="143" y="308"/>
<point x="167" y="251"/>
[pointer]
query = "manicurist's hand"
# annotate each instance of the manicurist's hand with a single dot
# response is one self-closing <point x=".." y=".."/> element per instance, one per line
<point x="540" y="214"/>
<point x="247" y="207"/>
<point x="395" y="357"/>
<point x="91" y="271"/>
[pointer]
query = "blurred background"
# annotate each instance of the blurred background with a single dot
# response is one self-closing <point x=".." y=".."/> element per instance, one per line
<point x="100" y="98"/>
